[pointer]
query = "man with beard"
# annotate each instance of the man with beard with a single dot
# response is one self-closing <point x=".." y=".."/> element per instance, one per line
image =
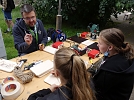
<point x="28" y="32"/>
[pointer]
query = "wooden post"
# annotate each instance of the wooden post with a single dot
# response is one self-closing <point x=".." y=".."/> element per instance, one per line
<point x="58" y="22"/>
<point x="59" y="17"/>
<point x="59" y="10"/>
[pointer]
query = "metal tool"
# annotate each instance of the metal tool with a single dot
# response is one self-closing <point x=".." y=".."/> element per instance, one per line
<point x="32" y="64"/>
<point x="21" y="62"/>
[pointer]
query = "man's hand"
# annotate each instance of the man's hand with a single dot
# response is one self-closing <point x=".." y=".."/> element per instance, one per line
<point x="41" y="47"/>
<point x="28" y="39"/>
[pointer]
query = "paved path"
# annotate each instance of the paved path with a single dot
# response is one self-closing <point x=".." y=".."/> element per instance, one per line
<point x="126" y="27"/>
<point x="128" y="30"/>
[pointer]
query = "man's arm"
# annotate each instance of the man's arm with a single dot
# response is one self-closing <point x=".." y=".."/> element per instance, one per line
<point x="45" y="39"/>
<point x="19" y="41"/>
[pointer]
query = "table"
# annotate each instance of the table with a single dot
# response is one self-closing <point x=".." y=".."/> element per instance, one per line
<point x="37" y="83"/>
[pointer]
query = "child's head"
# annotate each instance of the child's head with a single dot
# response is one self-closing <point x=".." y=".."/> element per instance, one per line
<point x="68" y="63"/>
<point x="71" y="67"/>
<point x="113" y="36"/>
<point x="113" y="39"/>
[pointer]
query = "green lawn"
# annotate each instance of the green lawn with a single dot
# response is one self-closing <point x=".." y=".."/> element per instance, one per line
<point x="8" y="38"/>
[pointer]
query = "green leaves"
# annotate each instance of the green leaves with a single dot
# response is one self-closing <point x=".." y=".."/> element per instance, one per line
<point x="80" y="12"/>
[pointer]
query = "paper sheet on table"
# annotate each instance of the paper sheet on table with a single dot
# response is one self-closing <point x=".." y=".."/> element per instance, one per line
<point x="87" y="42"/>
<point x="7" y="65"/>
<point x="50" y="49"/>
<point x="51" y="79"/>
<point x="42" y="68"/>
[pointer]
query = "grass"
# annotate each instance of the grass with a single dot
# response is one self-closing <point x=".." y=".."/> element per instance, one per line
<point x="8" y="38"/>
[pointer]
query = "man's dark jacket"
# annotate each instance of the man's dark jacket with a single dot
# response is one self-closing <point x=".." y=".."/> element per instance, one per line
<point x="115" y="78"/>
<point x="19" y="31"/>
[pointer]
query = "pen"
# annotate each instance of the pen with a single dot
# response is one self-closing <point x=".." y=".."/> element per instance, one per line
<point x="91" y="61"/>
<point x="21" y="62"/>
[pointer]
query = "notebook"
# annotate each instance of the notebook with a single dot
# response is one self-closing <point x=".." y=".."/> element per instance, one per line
<point x="51" y="79"/>
<point x="50" y="49"/>
<point x="77" y="39"/>
<point x="7" y="65"/>
<point x="87" y="42"/>
<point x="94" y="46"/>
<point x="42" y="68"/>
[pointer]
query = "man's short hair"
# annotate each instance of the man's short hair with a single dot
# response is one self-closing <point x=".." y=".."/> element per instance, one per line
<point x="27" y="8"/>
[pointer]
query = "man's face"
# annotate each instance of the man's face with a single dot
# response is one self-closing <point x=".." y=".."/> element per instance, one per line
<point x="29" y="18"/>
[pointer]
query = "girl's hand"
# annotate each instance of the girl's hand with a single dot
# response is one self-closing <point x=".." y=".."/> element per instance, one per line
<point x="54" y="87"/>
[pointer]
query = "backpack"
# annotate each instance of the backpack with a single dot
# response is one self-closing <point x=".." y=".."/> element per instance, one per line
<point x="1" y="2"/>
<point x="12" y="5"/>
<point x="56" y="35"/>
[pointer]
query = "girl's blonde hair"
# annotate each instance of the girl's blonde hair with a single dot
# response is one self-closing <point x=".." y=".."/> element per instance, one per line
<point x="73" y="69"/>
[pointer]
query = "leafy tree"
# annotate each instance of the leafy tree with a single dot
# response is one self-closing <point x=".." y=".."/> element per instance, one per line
<point x="80" y="12"/>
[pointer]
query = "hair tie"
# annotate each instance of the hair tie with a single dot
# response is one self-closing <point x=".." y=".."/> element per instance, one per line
<point x="72" y="65"/>
<point x="124" y="45"/>
<point x="72" y="57"/>
<point x="72" y="61"/>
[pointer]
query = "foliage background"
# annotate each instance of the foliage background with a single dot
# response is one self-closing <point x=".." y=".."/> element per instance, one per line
<point x="76" y="14"/>
<point x="8" y="38"/>
<point x="79" y="13"/>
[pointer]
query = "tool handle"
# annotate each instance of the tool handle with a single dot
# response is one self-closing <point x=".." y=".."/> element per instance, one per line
<point x="29" y="66"/>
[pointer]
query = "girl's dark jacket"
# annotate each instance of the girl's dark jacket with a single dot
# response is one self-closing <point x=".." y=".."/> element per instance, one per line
<point x="46" y="94"/>
<point x="115" y="78"/>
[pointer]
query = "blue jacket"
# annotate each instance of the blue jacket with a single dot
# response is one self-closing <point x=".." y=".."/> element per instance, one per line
<point x="19" y="31"/>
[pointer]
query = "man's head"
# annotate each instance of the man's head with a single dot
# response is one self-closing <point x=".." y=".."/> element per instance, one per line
<point x="28" y="14"/>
